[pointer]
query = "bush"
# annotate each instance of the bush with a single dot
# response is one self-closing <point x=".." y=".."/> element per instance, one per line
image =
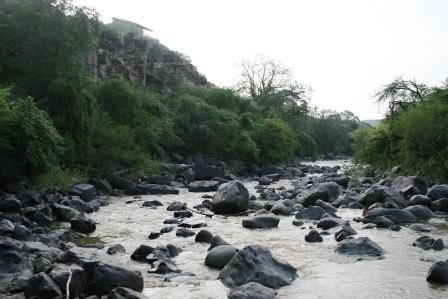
<point x="59" y="178"/>
<point x="245" y="149"/>
<point x="29" y="143"/>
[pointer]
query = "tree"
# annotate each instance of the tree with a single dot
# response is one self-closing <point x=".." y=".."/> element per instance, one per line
<point x="400" y="94"/>
<point x="271" y="84"/>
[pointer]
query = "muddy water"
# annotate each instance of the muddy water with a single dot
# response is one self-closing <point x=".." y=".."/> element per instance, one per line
<point x="322" y="273"/>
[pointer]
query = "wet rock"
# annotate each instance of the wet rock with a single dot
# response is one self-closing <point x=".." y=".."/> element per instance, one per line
<point x="9" y="203"/>
<point x="440" y="205"/>
<point x="184" y="232"/>
<point x="153" y="236"/>
<point x="355" y="205"/>
<point x="310" y="213"/>
<point x="165" y="266"/>
<point x="203" y="186"/>
<point x="281" y="208"/>
<point x="64" y="213"/>
<point x="330" y="222"/>
<point x="424" y="242"/>
<point x="231" y="198"/>
<point x="420" y="227"/>
<point x="105" y="278"/>
<point x="125" y="293"/>
<point x="217" y="241"/>
<point x="254" y="206"/>
<point x="438" y="273"/>
<point x="256" y="264"/>
<point x="313" y="237"/>
<point x="101" y="183"/>
<point x="176" y="206"/>
<point x="76" y="203"/>
<point x="86" y="192"/>
<point x="438" y="245"/>
<point x="154" y="189"/>
<point x="41" y="285"/>
<point x="6" y="227"/>
<point x="326" y="206"/>
<point x="116" y="248"/>
<point x="141" y="253"/>
<point x="437" y="192"/>
<point x="171" y="221"/>
<point x="382" y="194"/>
<point x="420" y="200"/>
<point x="383" y="222"/>
<point x="183" y="214"/>
<point x="324" y="191"/>
<point x="219" y="256"/>
<point x="359" y="246"/>
<point x="341" y="180"/>
<point x="345" y="232"/>
<point x="78" y="282"/>
<point x="82" y="224"/>
<point x="252" y="290"/>
<point x="344" y="200"/>
<point x="204" y="236"/>
<point x="204" y="171"/>
<point x="261" y="221"/>
<point x="411" y="185"/>
<point x="420" y="212"/>
<point x="166" y="230"/>
<point x="264" y="181"/>
<point x="22" y="233"/>
<point x="297" y="222"/>
<point x="41" y="264"/>
<point x="398" y="216"/>
<point x="152" y="204"/>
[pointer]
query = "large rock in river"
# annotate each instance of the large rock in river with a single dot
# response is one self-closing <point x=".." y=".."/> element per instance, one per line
<point x="256" y="264"/>
<point x="409" y="185"/>
<point x="231" y="198"/>
<point x="396" y="215"/>
<point x="420" y="212"/>
<point x="252" y="290"/>
<point x="105" y="278"/>
<point x="261" y="221"/>
<point x="219" y="256"/>
<point x="437" y="192"/>
<point x="383" y="194"/>
<point x="438" y="273"/>
<point x="359" y="246"/>
<point x="86" y="192"/>
<point x="203" y="186"/>
<point x="324" y="191"/>
<point x="311" y="213"/>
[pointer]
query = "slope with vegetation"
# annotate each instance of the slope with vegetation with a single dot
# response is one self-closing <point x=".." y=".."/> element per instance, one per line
<point x="79" y="98"/>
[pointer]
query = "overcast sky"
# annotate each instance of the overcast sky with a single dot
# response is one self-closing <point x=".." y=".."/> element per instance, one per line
<point x="344" y="49"/>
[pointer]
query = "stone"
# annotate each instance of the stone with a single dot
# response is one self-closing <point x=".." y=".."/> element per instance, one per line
<point x="359" y="246"/>
<point x="383" y="222"/>
<point x="203" y="171"/>
<point x="420" y="227"/>
<point x="438" y="273"/>
<point x="437" y="192"/>
<point x="440" y="205"/>
<point x="9" y="203"/>
<point x="280" y="208"/>
<point x="398" y="216"/>
<point x="326" y="206"/>
<point x="101" y="183"/>
<point x="264" y="181"/>
<point x="86" y="192"/>
<point x="252" y="290"/>
<point x="324" y="191"/>
<point x="116" y="248"/>
<point x="345" y="232"/>
<point x="231" y="198"/>
<point x="383" y="194"/>
<point x="310" y="213"/>
<point x="183" y="214"/>
<point x="438" y="245"/>
<point x="82" y="224"/>
<point x="41" y="285"/>
<point x="255" y="263"/>
<point x="217" y="241"/>
<point x="78" y="283"/>
<point x="420" y="212"/>
<point x="330" y="222"/>
<point x="76" y="203"/>
<point x="203" y="236"/>
<point x="261" y="221"/>
<point x="176" y="206"/>
<point x="64" y="213"/>
<point x="203" y="186"/>
<point x="183" y="232"/>
<point x="219" y="256"/>
<point x="419" y="200"/>
<point x="152" y="204"/>
<point x="105" y="277"/>
<point x="402" y="183"/>
<point x="125" y="293"/>
<point x="424" y="242"/>
<point x="141" y="253"/>
<point x="313" y="237"/>
<point x="153" y="236"/>
<point x="6" y="227"/>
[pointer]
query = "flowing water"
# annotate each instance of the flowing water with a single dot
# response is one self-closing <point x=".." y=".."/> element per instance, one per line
<point x="322" y="272"/>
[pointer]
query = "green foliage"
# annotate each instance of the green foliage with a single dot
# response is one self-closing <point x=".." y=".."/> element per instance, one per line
<point x="275" y="140"/>
<point x="246" y="149"/>
<point x="29" y="143"/>
<point x="59" y="178"/>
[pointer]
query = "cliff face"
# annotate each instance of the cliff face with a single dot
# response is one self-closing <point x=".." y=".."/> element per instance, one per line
<point x="141" y="60"/>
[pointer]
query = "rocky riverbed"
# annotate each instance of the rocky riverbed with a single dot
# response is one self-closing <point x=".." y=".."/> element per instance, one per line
<point x="318" y="245"/>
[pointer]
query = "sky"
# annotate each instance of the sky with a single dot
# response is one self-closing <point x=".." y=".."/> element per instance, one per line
<point x="344" y="49"/>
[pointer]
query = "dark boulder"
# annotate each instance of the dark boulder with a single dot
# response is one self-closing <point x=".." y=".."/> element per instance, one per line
<point x="164" y="267"/>
<point x="345" y="232"/>
<point x="203" y="186"/>
<point x="152" y="204"/>
<point x="184" y="232"/>
<point x="310" y="213"/>
<point x="116" y="248"/>
<point x="125" y="293"/>
<point x="203" y="171"/>
<point x="313" y="237"/>
<point x="86" y="192"/>
<point x="420" y="200"/>
<point x="340" y="180"/>
<point x="6" y="227"/>
<point x="383" y="222"/>
<point x="155" y="189"/>
<point x="261" y="221"/>
<point x="437" y="192"/>
<point x="424" y="242"/>
<point x="101" y="183"/>
<point x="326" y="206"/>
<point x="176" y="206"/>
<point x="219" y="256"/>
<point x="64" y="213"/>
<point x="82" y="224"/>
<point x="217" y="241"/>
<point x="78" y="282"/>
<point x="382" y="194"/>
<point x="9" y="203"/>
<point x="359" y="246"/>
<point x="105" y="278"/>
<point x="438" y="245"/>
<point x="183" y="214"/>
<point x="330" y="222"/>
<point x="282" y="208"/>
<point x="420" y="212"/>
<point x="120" y="182"/>
<point x="76" y="203"/>
<point x="440" y="205"/>
<point x="141" y="253"/>
<point x="252" y="290"/>
<point x="324" y="191"/>
<point x="438" y="273"/>
<point x="409" y="185"/>
<point x="230" y="198"/>
<point x="396" y="215"/>
<point x="41" y="285"/>
<point x="264" y="181"/>
<point x="256" y="264"/>
<point x="203" y="236"/>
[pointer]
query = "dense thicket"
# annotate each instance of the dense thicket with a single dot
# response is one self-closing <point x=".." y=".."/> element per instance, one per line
<point x="414" y="136"/>
<point x="54" y="118"/>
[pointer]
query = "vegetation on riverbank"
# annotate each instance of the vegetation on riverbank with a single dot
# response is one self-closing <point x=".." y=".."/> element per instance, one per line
<point x="53" y="116"/>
